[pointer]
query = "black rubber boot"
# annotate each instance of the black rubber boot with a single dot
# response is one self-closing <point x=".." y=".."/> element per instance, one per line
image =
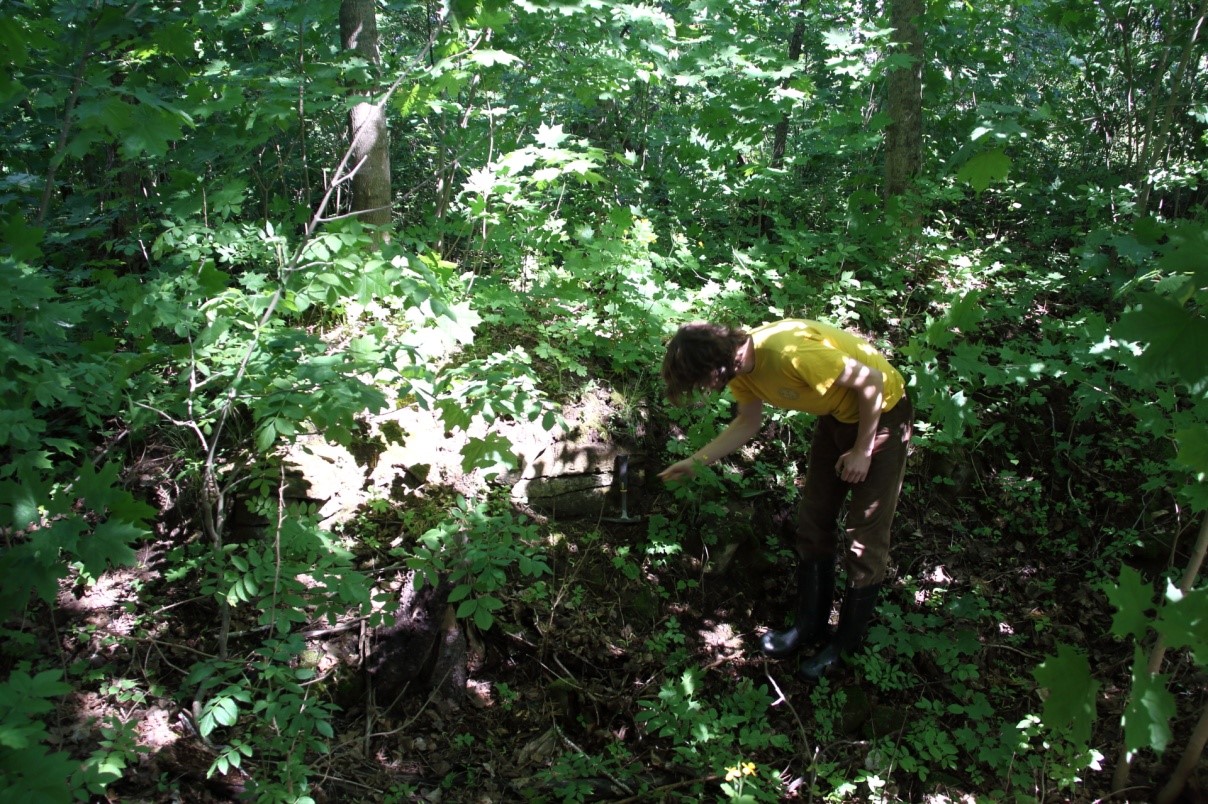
<point x="854" y="615"/>
<point x="815" y="590"/>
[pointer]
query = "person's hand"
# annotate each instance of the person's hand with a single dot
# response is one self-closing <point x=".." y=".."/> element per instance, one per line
<point x="852" y="466"/>
<point x="680" y="470"/>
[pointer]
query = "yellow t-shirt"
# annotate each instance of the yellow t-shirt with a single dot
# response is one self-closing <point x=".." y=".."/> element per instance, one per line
<point x="797" y="362"/>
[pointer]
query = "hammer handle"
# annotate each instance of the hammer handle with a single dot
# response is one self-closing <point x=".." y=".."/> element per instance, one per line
<point x="621" y="467"/>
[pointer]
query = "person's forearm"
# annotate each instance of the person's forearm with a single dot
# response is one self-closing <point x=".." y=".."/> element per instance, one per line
<point x="870" y="404"/>
<point x="737" y="433"/>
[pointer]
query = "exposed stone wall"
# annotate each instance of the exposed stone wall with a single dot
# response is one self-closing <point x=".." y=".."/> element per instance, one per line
<point x="565" y="472"/>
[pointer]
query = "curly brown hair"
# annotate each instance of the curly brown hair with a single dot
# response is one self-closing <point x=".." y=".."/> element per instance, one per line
<point x="700" y="356"/>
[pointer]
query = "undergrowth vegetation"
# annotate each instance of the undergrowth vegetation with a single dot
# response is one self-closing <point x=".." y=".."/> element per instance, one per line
<point x="193" y="301"/>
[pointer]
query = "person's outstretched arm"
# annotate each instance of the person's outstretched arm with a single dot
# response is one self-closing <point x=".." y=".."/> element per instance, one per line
<point x="744" y="427"/>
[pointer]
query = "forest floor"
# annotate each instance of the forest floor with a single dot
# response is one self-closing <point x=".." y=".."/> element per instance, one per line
<point x="566" y="673"/>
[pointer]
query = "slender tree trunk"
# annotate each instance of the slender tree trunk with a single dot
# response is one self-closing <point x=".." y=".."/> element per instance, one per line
<point x="1118" y="132"/>
<point x="1195" y="746"/>
<point x="904" y="135"/>
<point x="371" y="194"/>
<point x="780" y="136"/>
<point x="1188" y="762"/>
<point x="1157" y="136"/>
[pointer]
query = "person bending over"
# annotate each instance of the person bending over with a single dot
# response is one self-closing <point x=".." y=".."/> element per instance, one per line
<point x="858" y="450"/>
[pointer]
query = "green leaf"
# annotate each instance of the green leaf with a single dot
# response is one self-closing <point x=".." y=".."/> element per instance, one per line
<point x="211" y="280"/>
<point x="62" y="534"/>
<point x="32" y="567"/>
<point x="952" y="413"/>
<point x="226" y="711"/>
<point x="1187" y="251"/>
<point x="47" y="684"/>
<point x="463" y="10"/>
<point x="97" y="488"/>
<point x="1193" y="448"/>
<point x="1184" y="622"/>
<point x="109" y="544"/>
<point x="144" y="126"/>
<point x="24" y="242"/>
<point x="13" y="40"/>
<point x="1149" y="230"/>
<point x="24" y="499"/>
<point x="550" y="136"/>
<point x="1133" y="599"/>
<point x="963" y="315"/>
<point x="493" y="454"/>
<point x="1131" y="248"/>
<point x="1069" y="706"/>
<point x="1167" y="328"/>
<point x="1147" y="716"/>
<point x="266" y="436"/>
<point x="458" y="322"/>
<point x="1195" y="495"/>
<point x="489" y="58"/>
<point x="984" y="169"/>
<point x="20" y="734"/>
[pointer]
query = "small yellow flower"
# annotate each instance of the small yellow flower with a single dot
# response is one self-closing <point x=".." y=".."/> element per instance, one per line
<point x="748" y="769"/>
<point x="732" y="774"/>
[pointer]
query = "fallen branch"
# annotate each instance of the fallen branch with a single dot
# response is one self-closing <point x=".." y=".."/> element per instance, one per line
<point x="652" y="795"/>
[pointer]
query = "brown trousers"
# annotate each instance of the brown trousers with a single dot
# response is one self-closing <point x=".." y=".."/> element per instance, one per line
<point x="872" y="503"/>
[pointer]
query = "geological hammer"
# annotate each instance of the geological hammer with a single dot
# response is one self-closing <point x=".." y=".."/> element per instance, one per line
<point x="620" y="469"/>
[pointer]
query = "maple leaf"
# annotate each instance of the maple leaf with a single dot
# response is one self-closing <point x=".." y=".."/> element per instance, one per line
<point x="985" y="168"/>
<point x="1070" y="703"/>
<point x="108" y="544"/>
<point x="550" y="136"/>
<point x="1133" y="598"/>
<point x="1146" y="719"/>
<point x="1167" y="328"/>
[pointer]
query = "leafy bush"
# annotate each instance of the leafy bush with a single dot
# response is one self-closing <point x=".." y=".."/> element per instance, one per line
<point x="266" y="711"/>
<point x="58" y="506"/>
<point x="29" y="771"/>
<point x="473" y="551"/>
<point x="713" y="735"/>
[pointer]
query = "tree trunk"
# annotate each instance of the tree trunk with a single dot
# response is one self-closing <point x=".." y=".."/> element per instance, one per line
<point x="1157" y="134"/>
<point x="421" y="650"/>
<point x="780" y="135"/>
<point x="904" y="135"/>
<point x="367" y="121"/>
<point x="1195" y="746"/>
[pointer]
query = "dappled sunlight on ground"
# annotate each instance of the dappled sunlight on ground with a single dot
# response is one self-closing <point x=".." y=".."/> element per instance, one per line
<point x="721" y="639"/>
<point x="935" y="579"/>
